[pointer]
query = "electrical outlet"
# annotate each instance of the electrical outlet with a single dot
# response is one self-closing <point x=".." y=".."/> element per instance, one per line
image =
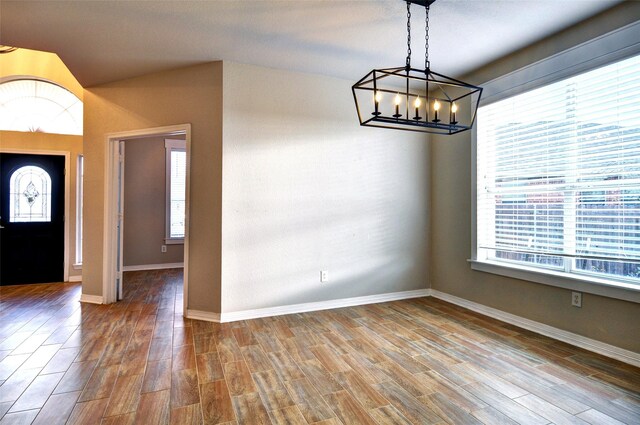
<point x="163" y="248"/>
<point x="324" y="275"/>
<point x="576" y="299"/>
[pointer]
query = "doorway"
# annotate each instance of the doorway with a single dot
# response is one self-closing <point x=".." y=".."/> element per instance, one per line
<point x="32" y="218"/>
<point x="116" y="205"/>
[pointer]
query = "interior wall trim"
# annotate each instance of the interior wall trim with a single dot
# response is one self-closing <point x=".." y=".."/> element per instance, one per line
<point x="110" y="259"/>
<point x="206" y="316"/>
<point x="75" y="278"/>
<point x="153" y="267"/>
<point x="611" y="47"/>
<point x="608" y="350"/>
<point x="321" y="305"/>
<point x="91" y="299"/>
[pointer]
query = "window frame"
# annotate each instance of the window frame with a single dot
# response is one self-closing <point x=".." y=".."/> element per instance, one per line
<point x="170" y="146"/>
<point x="79" y="205"/>
<point x="28" y="88"/>
<point x="606" y="49"/>
<point x="15" y="179"/>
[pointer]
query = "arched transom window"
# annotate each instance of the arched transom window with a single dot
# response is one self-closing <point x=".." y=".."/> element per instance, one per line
<point x="29" y="195"/>
<point x="39" y="106"/>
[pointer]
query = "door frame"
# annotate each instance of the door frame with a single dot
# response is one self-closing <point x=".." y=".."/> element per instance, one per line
<point x="110" y="235"/>
<point x="67" y="203"/>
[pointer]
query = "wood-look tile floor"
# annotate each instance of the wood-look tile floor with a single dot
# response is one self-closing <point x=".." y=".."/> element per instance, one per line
<point x="418" y="361"/>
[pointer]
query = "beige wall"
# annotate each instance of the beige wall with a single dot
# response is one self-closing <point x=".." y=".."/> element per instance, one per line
<point x="32" y="63"/>
<point x="186" y="95"/>
<point x="14" y="140"/>
<point x="305" y="188"/>
<point x="625" y="13"/>
<point x="604" y="319"/>
<point x="145" y="204"/>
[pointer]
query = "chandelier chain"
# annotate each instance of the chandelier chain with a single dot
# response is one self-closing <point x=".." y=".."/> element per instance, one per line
<point x="427" y="64"/>
<point x="408" y="63"/>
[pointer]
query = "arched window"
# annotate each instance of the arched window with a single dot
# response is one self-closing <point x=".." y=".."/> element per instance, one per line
<point x="39" y="106"/>
<point x="29" y="195"/>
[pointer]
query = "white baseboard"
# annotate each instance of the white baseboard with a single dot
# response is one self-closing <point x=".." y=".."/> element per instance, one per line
<point x="321" y="305"/>
<point x="91" y="299"/>
<point x="153" y="267"/>
<point x="75" y="278"/>
<point x="608" y="350"/>
<point x="203" y="315"/>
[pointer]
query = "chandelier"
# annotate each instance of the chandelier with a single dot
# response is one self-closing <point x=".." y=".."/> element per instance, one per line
<point x="406" y="98"/>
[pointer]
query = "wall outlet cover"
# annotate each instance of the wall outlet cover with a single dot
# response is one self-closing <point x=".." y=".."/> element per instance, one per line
<point x="324" y="275"/>
<point x="576" y="299"/>
<point x="163" y="248"/>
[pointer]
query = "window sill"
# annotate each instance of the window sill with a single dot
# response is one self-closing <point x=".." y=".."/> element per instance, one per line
<point x="77" y="266"/>
<point x="573" y="282"/>
<point x="174" y="241"/>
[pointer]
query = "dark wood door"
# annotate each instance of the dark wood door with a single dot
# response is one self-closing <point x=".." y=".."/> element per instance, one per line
<point x="32" y="218"/>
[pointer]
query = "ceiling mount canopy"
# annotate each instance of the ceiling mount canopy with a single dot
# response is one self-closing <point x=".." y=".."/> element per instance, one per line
<point x="407" y="98"/>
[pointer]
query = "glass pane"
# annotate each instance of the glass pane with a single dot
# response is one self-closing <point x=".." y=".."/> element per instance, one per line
<point x="30" y="195"/>
<point x="178" y="181"/>
<point x="529" y="227"/>
<point x="39" y="106"/>
<point x="615" y="268"/>
<point x="558" y="174"/>
<point x="79" y="203"/>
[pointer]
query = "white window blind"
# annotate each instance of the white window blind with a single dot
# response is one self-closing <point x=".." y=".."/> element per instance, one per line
<point x="176" y="173"/>
<point x="178" y="179"/>
<point x="559" y="175"/>
<point x="79" y="206"/>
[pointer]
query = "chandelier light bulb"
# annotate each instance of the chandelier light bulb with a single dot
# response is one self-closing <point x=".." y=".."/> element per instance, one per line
<point x="417" y="104"/>
<point x="436" y="108"/>
<point x="377" y="97"/>
<point x="397" y="101"/>
<point x="454" y="108"/>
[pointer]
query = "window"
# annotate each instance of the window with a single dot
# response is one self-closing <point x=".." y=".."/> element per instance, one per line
<point x="30" y="195"/>
<point x="79" y="204"/>
<point x="558" y="177"/>
<point x="39" y="106"/>
<point x="176" y="173"/>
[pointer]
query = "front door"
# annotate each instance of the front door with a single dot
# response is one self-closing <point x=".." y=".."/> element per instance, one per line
<point x="31" y="218"/>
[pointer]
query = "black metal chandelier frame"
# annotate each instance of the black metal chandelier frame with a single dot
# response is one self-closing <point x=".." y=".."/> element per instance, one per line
<point x="440" y="93"/>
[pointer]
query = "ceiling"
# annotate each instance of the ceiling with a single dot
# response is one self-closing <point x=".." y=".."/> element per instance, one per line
<point x="102" y="41"/>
